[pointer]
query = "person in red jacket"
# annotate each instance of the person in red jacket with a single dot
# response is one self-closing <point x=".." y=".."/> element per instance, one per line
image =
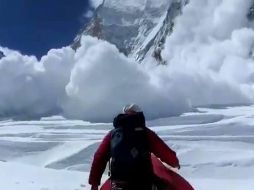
<point x="156" y="146"/>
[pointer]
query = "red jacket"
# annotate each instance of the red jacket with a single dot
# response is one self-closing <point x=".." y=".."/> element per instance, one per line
<point x="102" y="155"/>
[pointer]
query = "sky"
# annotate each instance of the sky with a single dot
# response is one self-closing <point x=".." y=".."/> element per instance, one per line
<point x="35" y="26"/>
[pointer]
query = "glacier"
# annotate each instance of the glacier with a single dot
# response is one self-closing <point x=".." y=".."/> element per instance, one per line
<point x="214" y="145"/>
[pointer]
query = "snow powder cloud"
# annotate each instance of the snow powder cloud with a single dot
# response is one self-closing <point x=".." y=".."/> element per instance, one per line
<point x="210" y="51"/>
<point x="92" y="84"/>
<point x="30" y="88"/>
<point x="104" y="80"/>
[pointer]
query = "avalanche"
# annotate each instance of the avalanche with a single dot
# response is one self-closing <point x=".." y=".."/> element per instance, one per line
<point x="209" y="62"/>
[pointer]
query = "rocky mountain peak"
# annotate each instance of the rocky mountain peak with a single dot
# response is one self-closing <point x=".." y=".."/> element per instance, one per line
<point x="128" y="24"/>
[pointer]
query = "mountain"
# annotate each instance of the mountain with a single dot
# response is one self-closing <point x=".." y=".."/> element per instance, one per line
<point x="137" y="27"/>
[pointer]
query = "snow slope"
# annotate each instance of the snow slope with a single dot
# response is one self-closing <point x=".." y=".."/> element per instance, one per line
<point x="215" y="148"/>
<point x="24" y="177"/>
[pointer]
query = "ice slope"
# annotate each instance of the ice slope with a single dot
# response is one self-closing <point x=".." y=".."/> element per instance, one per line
<point x="215" y="148"/>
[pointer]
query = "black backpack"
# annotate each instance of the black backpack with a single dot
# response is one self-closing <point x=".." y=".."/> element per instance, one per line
<point x="130" y="149"/>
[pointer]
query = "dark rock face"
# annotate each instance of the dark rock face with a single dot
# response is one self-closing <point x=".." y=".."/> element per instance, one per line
<point x="250" y="15"/>
<point x="1" y="55"/>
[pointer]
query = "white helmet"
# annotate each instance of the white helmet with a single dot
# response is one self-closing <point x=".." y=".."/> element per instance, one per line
<point x="131" y="108"/>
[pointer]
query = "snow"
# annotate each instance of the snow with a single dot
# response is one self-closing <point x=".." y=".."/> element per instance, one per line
<point x="209" y="63"/>
<point x="158" y="3"/>
<point x="224" y="184"/>
<point x="76" y="85"/>
<point x="24" y="177"/>
<point x="122" y="5"/>
<point x="95" y="3"/>
<point x="154" y="32"/>
<point x="212" y="42"/>
<point x="125" y="4"/>
<point x="215" y="148"/>
<point x="115" y="79"/>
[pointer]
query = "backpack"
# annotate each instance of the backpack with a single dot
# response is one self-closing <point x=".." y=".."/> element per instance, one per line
<point x="130" y="154"/>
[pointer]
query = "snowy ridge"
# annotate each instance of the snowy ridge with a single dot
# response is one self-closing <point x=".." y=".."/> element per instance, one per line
<point x="125" y="6"/>
<point x="158" y="35"/>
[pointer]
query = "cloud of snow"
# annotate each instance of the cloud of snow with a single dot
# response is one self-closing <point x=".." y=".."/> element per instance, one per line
<point x="29" y="88"/>
<point x="92" y="84"/>
<point x="104" y="80"/>
<point x="209" y="52"/>
<point x="210" y="61"/>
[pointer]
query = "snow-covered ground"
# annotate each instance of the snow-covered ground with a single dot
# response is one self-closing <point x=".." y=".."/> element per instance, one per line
<point x="215" y="147"/>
